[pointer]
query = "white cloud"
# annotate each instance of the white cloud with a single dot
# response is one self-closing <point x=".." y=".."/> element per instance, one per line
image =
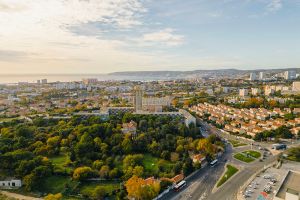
<point x="166" y="36"/>
<point x="42" y="30"/>
<point x="274" y="5"/>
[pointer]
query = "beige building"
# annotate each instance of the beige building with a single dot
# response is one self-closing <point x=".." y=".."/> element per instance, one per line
<point x="255" y="91"/>
<point x="269" y="91"/>
<point x="155" y="104"/>
<point x="243" y="92"/>
<point x="129" y="128"/>
<point x="296" y="86"/>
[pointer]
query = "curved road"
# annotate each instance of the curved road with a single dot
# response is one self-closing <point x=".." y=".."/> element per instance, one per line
<point x="200" y="184"/>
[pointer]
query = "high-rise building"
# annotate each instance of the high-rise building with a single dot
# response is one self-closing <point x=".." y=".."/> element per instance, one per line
<point x="44" y="81"/>
<point x="226" y="89"/>
<point x="261" y="76"/>
<point x="288" y="75"/>
<point x="138" y="98"/>
<point x="253" y="77"/>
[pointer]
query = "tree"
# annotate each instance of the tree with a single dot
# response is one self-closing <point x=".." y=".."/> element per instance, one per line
<point x="205" y="146"/>
<point x="57" y="196"/>
<point x="114" y="173"/>
<point x="99" y="192"/>
<point x="97" y="164"/>
<point x="294" y="154"/>
<point x="143" y="125"/>
<point x="25" y="132"/>
<point x="187" y="167"/>
<point x="132" y="160"/>
<point x="187" y="103"/>
<point x="133" y="187"/>
<point x="175" y="102"/>
<point x="138" y="171"/>
<point x="139" y="189"/>
<point x="82" y="173"/>
<point x="179" y="149"/>
<point x="104" y="171"/>
<point x="127" y="146"/>
<point x="29" y="181"/>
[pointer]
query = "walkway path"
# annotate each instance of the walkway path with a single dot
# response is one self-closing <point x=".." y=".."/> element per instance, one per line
<point x="18" y="196"/>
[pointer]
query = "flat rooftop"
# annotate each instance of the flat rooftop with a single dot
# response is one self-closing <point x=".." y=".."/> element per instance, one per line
<point x="291" y="183"/>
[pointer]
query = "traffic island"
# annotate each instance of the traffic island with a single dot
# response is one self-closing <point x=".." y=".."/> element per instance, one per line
<point x="247" y="156"/>
<point x="231" y="170"/>
<point x="236" y="143"/>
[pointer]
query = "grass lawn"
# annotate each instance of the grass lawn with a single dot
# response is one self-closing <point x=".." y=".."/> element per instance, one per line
<point x="55" y="184"/>
<point x="151" y="164"/>
<point x="236" y="143"/>
<point x="59" y="163"/>
<point x="254" y="154"/>
<point x="87" y="188"/>
<point x="243" y="158"/>
<point x="231" y="170"/>
<point x="60" y="160"/>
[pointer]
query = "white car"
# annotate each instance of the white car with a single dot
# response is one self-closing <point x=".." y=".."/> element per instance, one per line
<point x="247" y="195"/>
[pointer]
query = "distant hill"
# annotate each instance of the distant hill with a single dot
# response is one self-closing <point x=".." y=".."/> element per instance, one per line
<point x="216" y="72"/>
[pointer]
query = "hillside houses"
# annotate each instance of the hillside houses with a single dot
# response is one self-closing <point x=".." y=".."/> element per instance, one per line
<point x="246" y="121"/>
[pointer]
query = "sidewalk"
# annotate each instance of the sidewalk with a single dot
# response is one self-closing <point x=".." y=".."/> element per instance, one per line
<point x="18" y="196"/>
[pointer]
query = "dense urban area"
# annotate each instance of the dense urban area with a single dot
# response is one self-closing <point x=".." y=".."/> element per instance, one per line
<point x="210" y="135"/>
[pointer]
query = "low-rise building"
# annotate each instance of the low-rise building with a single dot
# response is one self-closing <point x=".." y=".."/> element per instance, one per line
<point x="290" y="187"/>
<point x="129" y="128"/>
<point x="10" y="183"/>
<point x="243" y="92"/>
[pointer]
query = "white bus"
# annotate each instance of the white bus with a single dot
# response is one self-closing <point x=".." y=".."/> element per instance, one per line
<point x="213" y="163"/>
<point x="180" y="185"/>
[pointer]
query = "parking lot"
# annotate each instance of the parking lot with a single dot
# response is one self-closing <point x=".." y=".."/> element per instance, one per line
<point x="265" y="185"/>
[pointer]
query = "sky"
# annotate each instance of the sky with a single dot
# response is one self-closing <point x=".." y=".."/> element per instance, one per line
<point x="101" y="36"/>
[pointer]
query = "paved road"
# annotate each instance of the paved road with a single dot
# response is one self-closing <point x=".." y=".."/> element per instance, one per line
<point x="201" y="183"/>
<point x="229" y="189"/>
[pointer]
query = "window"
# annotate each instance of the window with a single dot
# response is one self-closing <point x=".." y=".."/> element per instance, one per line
<point x="13" y="184"/>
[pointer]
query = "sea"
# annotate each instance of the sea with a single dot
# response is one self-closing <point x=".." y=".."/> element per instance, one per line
<point x="32" y="78"/>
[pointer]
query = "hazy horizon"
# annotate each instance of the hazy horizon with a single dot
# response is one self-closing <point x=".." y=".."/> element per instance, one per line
<point x="196" y="69"/>
<point x="254" y="69"/>
<point x="104" y="36"/>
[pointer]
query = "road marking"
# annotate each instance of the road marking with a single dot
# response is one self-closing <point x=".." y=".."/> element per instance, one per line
<point x="203" y="196"/>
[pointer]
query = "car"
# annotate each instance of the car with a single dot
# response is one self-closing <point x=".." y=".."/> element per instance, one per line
<point x="266" y="176"/>
<point x="273" y="180"/>
<point x="247" y="195"/>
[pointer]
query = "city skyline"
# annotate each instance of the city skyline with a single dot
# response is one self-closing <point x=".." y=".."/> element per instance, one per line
<point x="100" y="37"/>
